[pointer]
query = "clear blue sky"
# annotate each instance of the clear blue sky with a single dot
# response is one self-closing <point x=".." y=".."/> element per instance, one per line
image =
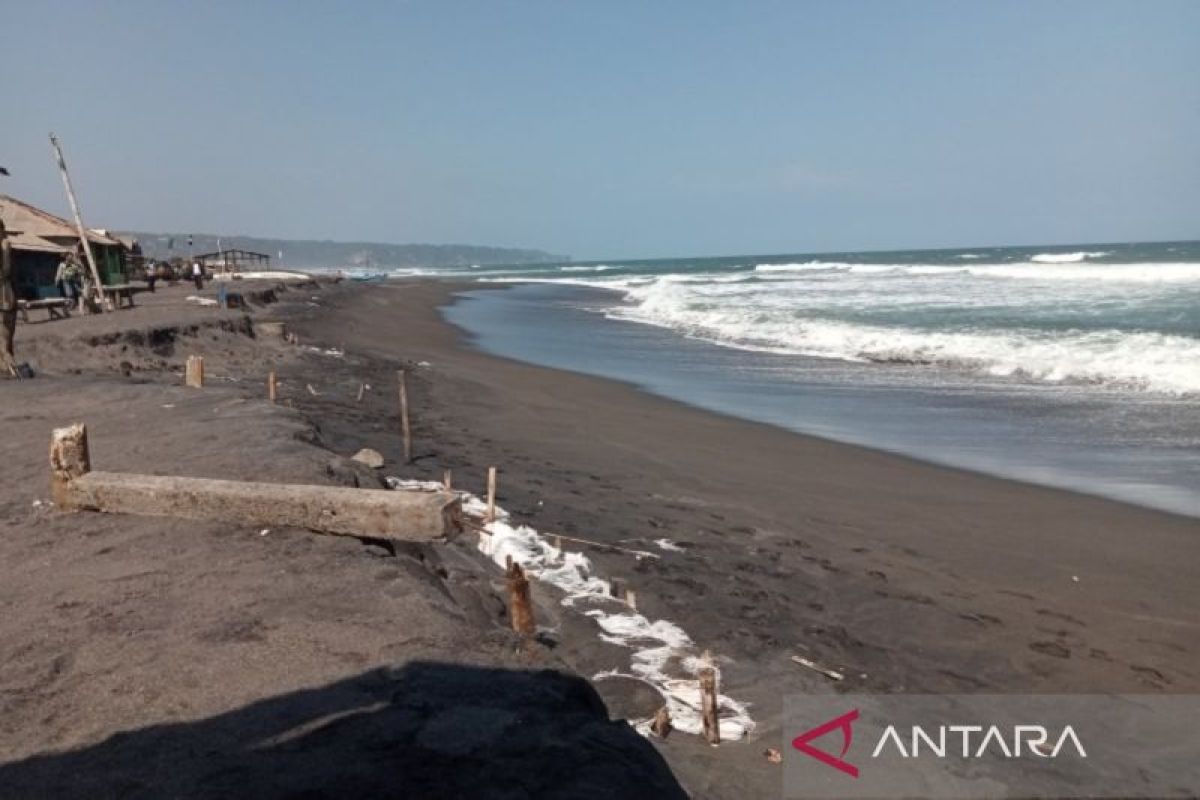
<point x="615" y="129"/>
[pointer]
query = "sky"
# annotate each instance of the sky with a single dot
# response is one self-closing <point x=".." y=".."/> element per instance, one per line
<point x="614" y="129"/>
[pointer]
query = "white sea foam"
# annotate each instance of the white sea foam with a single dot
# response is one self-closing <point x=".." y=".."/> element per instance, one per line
<point x="788" y="320"/>
<point x="1067" y="270"/>
<point x="1064" y="258"/>
<point x="1046" y="319"/>
<point x="663" y="655"/>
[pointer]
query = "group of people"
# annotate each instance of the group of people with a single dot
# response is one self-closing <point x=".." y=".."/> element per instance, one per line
<point x="196" y="273"/>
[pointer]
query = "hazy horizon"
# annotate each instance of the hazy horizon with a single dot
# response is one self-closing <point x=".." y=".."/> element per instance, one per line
<point x="618" y="132"/>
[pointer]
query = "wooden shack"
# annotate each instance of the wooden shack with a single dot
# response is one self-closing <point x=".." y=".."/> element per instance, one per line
<point x="41" y="239"/>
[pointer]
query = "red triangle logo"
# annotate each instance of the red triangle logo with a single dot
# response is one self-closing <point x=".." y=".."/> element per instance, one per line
<point x="841" y="723"/>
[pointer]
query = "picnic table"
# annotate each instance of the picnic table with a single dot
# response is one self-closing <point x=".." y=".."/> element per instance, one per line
<point x="56" y="307"/>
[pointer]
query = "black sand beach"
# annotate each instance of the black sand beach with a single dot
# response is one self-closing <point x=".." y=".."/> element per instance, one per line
<point x="198" y="643"/>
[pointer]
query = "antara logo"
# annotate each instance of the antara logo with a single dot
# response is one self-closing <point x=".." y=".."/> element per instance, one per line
<point x="838" y="762"/>
<point x="967" y="741"/>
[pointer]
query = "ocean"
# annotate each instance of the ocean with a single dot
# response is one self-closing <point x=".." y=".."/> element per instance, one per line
<point x="1075" y="366"/>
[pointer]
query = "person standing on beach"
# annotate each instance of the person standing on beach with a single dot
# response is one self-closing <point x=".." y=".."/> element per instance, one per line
<point x="151" y="275"/>
<point x="60" y="277"/>
<point x="198" y="274"/>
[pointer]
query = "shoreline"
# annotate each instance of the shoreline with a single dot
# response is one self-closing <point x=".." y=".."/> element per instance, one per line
<point x="905" y="576"/>
<point x="917" y="576"/>
<point x="1171" y="499"/>
<point x="460" y="289"/>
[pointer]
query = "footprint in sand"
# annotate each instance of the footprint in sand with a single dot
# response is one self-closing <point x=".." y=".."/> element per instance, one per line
<point x="1053" y="649"/>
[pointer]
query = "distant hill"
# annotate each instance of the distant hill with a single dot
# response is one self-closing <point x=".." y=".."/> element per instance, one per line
<point x="332" y="255"/>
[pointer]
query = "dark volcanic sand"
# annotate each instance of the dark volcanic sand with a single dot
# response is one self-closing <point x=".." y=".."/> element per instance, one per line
<point x="922" y="578"/>
<point x="198" y="639"/>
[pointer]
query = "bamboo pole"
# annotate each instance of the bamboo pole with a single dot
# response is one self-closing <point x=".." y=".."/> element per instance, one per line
<point x="491" y="494"/>
<point x="272" y="386"/>
<point x="447" y="481"/>
<point x="102" y="301"/>
<point x="404" y="416"/>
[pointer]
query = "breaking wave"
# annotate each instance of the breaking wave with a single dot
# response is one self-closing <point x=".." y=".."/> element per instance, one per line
<point x="1064" y="258"/>
<point x="1062" y="270"/>
<point x="749" y="318"/>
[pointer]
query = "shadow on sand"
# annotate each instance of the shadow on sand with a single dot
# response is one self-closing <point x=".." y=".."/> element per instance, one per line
<point x="423" y="730"/>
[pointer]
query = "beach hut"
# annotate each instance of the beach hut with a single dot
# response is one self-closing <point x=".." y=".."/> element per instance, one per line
<point x="40" y="240"/>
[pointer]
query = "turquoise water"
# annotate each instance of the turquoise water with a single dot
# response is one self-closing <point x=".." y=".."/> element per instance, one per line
<point x="1071" y="366"/>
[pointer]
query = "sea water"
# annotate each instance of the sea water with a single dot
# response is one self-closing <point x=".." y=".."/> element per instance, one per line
<point x="1076" y="367"/>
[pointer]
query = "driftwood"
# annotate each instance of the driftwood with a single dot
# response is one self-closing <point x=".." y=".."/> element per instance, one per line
<point x="374" y="513"/>
<point x="832" y="674"/>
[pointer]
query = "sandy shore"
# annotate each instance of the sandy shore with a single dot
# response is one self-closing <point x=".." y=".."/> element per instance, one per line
<point x="186" y="636"/>
<point x="906" y="576"/>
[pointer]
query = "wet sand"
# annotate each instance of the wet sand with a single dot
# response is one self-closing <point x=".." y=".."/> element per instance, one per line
<point x="183" y="636"/>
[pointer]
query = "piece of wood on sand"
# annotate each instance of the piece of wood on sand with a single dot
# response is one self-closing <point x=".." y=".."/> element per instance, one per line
<point x="373" y="513"/>
<point x="832" y="674"/>
<point x="520" y="606"/>
<point x="194" y="372"/>
<point x="272" y="386"/>
<point x="405" y="429"/>
<point x="708" y="705"/>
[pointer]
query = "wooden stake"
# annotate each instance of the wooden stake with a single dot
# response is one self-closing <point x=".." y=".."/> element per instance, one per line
<point x="362" y="387"/>
<point x="447" y="481"/>
<point x="69" y="459"/>
<point x="491" y="495"/>
<point x="194" y="375"/>
<point x="661" y="726"/>
<point x="272" y="386"/>
<point x="616" y="587"/>
<point x="404" y="417"/>
<point x="631" y="599"/>
<point x="520" y="607"/>
<point x="708" y="705"/>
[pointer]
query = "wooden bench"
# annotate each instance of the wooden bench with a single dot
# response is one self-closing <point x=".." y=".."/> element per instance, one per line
<point x="56" y="307"/>
<point x="120" y="293"/>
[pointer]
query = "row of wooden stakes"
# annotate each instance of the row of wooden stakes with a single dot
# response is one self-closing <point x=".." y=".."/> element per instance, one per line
<point x="194" y="377"/>
<point x="520" y="605"/>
